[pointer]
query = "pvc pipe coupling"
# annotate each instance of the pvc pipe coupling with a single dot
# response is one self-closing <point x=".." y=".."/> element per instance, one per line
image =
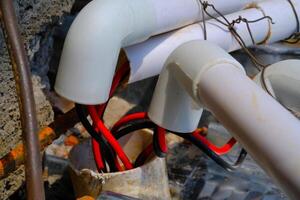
<point x="175" y="104"/>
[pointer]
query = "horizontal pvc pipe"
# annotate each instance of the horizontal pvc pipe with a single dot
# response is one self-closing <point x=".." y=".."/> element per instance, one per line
<point x="99" y="31"/>
<point x="283" y="81"/>
<point x="147" y="58"/>
<point x="265" y="129"/>
<point x="173" y="14"/>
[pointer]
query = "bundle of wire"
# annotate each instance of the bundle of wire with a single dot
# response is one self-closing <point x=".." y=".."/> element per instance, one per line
<point x="108" y="152"/>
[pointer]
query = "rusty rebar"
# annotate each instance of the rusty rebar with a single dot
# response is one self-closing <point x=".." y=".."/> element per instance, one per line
<point x="21" y="69"/>
<point x="15" y="158"/>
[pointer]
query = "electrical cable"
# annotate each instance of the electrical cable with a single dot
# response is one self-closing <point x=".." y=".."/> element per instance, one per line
<point x="109" y="137"/>
<point x="159" y="141"/>
<point x="161" y="134"/>
<point x="157" y="146"/>
<point x="211" y="154"/>
<point x="107" y="152"/>
<point x="209" y="148"/>
<point x="134" y="127"/>
<point x="143" y="115"/>
<point x="146" y="153"/>
<point x="226" y="148"/>
<point x="98" y="156"/>
<point x="241" y="158"/>
<point x="113" y="161"/>
<point x="129" y="118"/>
<point x="119" y="76"/>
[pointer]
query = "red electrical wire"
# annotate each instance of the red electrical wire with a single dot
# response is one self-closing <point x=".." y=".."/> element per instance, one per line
<point x="98" y="111"/>
<point x="128" y="118"/>
<point x="161" y="133"/>
<point x="143" y="115"/>
<point x="121" y="72"/>
<point x="109" y="137"/>
<point x="218" y="150"/>
<point x="97" y="155"/>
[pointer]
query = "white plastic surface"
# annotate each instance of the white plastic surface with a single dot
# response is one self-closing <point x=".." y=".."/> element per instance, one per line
<point x="93" y="43"/>
<point x="172" y="14"/>
<point x="147" y="58"/>
<point x="175" y="105"/>
<point x="283" y="80"/>
<point x="265" y="129"/>
<point x="94" y="40"/>
<point x="280" y="29"/>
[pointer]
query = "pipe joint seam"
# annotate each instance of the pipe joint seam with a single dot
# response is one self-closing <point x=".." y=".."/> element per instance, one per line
<point x="175" y="104"/>
<point x="189" y="74"/>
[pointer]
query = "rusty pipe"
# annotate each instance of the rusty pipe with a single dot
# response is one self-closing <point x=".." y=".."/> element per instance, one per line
<point x="21" y="69"/>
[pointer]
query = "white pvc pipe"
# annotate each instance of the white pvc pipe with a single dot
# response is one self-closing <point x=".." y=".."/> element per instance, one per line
<point x="99" y="31"/>
<point x="173" y="14"/>
<point x="147" y="58"/>
<point x="175" y="105"/>
<point x="283" y="81"/>
<point x="211" y="78"/>
<point x="268" y="131"/>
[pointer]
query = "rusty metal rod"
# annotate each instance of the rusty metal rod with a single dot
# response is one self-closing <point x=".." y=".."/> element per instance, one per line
<point x="20" y="65"/>
<point x="15" y="158"/>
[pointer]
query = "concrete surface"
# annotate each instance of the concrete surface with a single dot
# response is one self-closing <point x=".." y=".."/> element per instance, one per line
<point x="35" y="17"/>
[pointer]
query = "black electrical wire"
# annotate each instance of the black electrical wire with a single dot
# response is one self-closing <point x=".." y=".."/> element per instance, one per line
<point x="241" y="158"/>
<point x="138" y="126"/>
<point x="142" y="158"/>
<point x="133" y="127"/>
<point x="148" y="124"/>
<point x="107" y="152"/>
<point x="141" y="125"/>
<point x="156" y="148"/>
<point x="227" y="166"/>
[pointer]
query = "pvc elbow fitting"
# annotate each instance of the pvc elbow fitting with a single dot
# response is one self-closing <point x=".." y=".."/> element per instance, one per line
<point x="176" y="105"/>
<point x="93" y="43"/>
